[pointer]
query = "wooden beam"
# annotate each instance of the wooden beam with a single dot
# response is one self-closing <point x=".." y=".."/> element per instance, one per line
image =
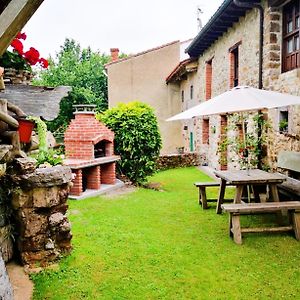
<point x="13" y="18"/>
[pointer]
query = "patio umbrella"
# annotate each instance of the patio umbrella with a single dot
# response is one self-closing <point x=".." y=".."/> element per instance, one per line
<point x="239" y="99"/>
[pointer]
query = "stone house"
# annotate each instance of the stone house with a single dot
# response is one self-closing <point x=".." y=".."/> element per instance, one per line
<point x="141" y="77"/>
<point x="244" y="43"/>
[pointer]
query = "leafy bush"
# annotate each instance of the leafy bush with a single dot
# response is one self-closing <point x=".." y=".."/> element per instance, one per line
<point x="137" y="138"/>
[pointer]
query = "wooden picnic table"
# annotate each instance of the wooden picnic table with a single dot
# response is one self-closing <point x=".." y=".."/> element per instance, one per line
<point x="243" y="178"/>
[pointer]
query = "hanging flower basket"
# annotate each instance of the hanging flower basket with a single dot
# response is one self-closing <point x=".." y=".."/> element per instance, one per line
<point x="25" y="130"/>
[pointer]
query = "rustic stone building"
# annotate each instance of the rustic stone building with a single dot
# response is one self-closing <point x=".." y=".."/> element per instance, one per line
<point x="243" y="44"/>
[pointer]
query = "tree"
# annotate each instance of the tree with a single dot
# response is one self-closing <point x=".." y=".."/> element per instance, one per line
<point x="137" y="138"/>
<point x="83" y="70"/>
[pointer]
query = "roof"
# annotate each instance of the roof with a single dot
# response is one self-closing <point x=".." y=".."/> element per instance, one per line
<point x="179" y="70"/>
<point x="226" y="15"/>
<point x="36" y="100"/>
<point x="142" y="53"/>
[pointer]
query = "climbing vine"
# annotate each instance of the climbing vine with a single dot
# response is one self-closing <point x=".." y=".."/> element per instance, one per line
<point x="45" y="155"/>
<point x="247" y="147"/>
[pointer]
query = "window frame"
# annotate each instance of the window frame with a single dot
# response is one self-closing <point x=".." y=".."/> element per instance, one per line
<point x="291" y="12"/>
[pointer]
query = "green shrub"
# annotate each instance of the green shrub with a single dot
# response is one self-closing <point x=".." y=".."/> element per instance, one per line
<point x="137" y="139"/>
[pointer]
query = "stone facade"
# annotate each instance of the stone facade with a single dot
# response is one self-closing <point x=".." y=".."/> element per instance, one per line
<point x="245" y="33"/>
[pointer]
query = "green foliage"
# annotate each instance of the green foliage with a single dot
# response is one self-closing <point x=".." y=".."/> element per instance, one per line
<point x="83" y="70"/>
<point x="137" y="138"/>
<point x="283" y="125"/>
<point x="45" y="155"/>
<point x="14" y="60"/>
<point x="42" y="133"/>
<point x="251" y="143"/>
<point x="50" y="157"/>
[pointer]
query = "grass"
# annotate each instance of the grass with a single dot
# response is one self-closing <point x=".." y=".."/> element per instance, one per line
<point x="162" y="245"/>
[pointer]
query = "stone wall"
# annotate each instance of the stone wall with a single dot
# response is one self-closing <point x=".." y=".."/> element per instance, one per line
<point x="171" y="161"/>
<point x="6" y="292"/>
<point x="39" y="200"/>
<point x="17" y="76"/>
<point x="245" y="32"/>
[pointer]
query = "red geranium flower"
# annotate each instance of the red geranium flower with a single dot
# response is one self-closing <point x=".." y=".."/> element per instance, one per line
<point x="32" y="56"/>
<point x="44" y="62"/>
<point x="17" y="45"/>
<point x="21" y="36"/>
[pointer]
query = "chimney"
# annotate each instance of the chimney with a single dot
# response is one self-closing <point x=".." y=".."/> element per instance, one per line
<point x="114" y="53"/>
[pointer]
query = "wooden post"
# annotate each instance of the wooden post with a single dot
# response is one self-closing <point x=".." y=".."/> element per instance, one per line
<point x="221" y="196"/>
<point x="296" y="224"/>
<point x="236" y="229"/>
<point x="202" y="197"/>
<point x="13" y="18"/>
<point x="238" y="194"/>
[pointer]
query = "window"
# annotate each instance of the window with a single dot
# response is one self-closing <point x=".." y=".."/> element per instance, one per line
<point x="208" y="80"/>
<point x="205" y="131"/>
<point x="235" y="53"/>
<point x="191" y="92"/>
<point x="234" y="65"/>
<point x="283" y="121"/>
<point x="182" y="96"/>
<point x="291" y="22"/>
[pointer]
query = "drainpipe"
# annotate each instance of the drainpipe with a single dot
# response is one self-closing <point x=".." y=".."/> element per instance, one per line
<point x="261" y="34"/>
<point x="260" y="71"/>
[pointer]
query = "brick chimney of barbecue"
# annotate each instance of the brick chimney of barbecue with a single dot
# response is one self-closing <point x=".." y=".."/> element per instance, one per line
<point x="114" y="53"/>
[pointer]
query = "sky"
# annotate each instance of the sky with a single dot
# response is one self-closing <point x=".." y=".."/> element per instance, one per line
<point x="132" y="25"/>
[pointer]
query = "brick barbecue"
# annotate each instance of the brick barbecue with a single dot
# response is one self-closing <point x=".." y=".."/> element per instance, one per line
<point x="89" y="147"/>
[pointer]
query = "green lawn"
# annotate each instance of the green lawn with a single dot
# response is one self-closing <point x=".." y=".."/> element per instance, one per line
<point x="162" y="245"/>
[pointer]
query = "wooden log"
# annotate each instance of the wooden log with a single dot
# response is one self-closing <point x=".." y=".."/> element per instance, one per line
<point x="9" y="120"/>
<point x="15" y="141"/>
<point x="5" y="117"/>
<point x="3" y="108"/>
<point x="15" y="109"/>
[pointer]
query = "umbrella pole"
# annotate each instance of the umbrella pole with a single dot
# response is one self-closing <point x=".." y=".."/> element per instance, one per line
<point x="247" y="154"/>
<point x="245" y="141"/>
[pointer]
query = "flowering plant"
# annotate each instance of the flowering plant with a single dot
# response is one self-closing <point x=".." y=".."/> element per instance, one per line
<point x="19" y="59"/>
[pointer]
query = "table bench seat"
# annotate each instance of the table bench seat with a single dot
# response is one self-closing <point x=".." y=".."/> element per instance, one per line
<point x="290" y="187"/>
<point x="235" y="210"/>
<point x="202" y="193"/>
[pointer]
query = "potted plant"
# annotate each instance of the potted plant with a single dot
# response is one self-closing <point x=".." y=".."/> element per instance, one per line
<point x="15" y="58"/>
<point x="283" y="125"/>
<point x="25" y="129"/>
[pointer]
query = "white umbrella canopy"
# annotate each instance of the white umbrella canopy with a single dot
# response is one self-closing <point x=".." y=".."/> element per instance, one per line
<point x="239" y="99"/>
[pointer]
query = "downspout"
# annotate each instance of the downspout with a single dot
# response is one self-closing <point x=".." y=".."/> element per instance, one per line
<point x="261" y="35"/>
<point x="260" y="65"/>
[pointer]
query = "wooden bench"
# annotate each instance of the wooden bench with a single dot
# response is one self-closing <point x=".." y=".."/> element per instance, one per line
<point x="290" y="162"/>
<point x="202" y="193"/>
<point x="235" y="210"/>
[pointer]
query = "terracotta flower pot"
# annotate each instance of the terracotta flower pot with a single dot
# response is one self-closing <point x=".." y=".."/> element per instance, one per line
<point x="25" y="130"/>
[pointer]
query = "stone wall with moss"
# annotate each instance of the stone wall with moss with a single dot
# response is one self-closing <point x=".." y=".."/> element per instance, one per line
<point x="171" y="161"/>
<point x="39" y="201"/>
